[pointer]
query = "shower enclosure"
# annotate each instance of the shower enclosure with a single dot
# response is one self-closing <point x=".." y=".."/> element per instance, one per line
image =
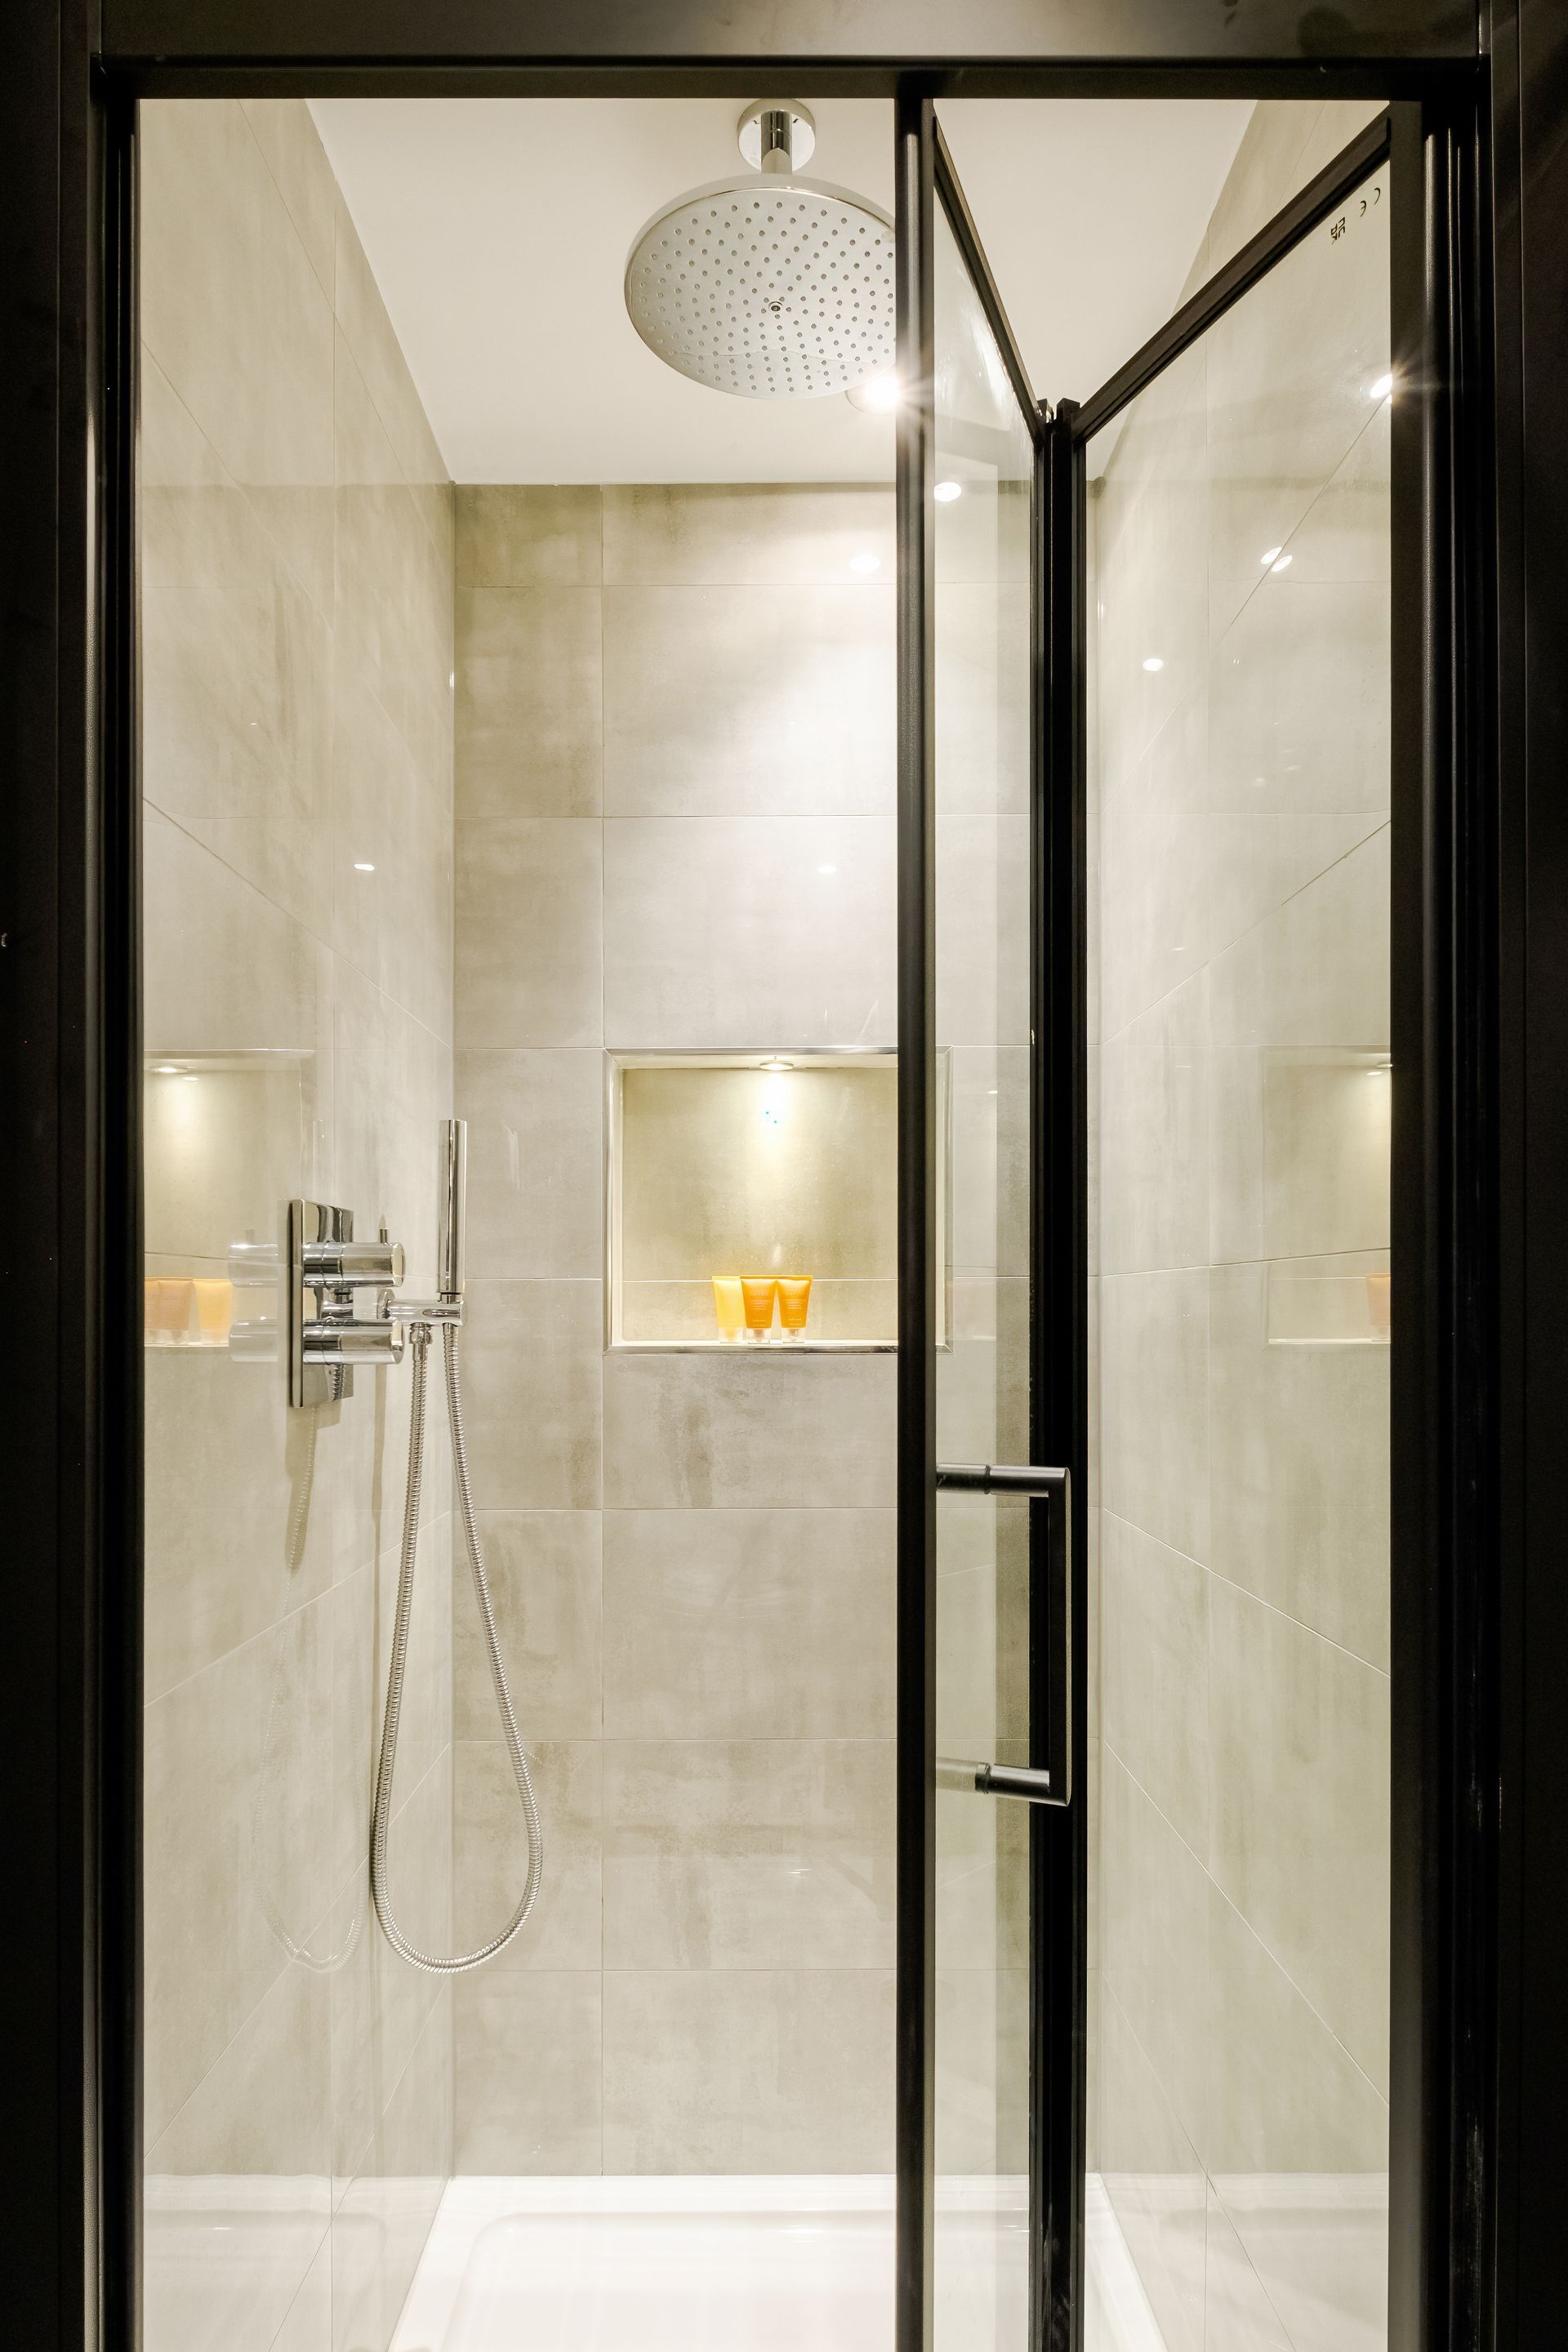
<point x="970" y="1777"/>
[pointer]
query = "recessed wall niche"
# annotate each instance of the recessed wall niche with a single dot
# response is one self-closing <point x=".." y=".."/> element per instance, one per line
<point x="766" y="1168"/>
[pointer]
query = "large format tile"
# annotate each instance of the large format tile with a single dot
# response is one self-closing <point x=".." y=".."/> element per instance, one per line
<point x="534" y="535"/>
<point x="724" y="932"/>
<point x="245" y="2161"/>
<point x="383" y="2216"/>
<point x="1154" y="1405"/>
<point x="1299" y="1469"/>
<point x="543" y="1567"/>
<point x="727" y="1432"/>
<point x="528" y="2074"/>
<point x="532" y="1363"/>
<point x="1155" y="2181"/>
<point x="528" y="709"/>
<point x="1284" y="2094"/>
<point x="983" y="930"/>
<point x="752" y="1854"/>
<point x="237" y="317"/>
<point x="535" y="1175"/>
<point x="763" y="702"/>
<point x="227" y="972"/>
<point x="1299" y="1793"/>
<point x="728" y="1625"/>
<point x="237" y="1846"/>
<point x="710" y="2071"/>
<point x="1153" y="1136"/>
<point x="527" y="933"/>
<point x="490" y="1850"/>
<point x="746" y="532"/>
<point x="1155" y="1672"/>
<point x="1154" y="1899"/>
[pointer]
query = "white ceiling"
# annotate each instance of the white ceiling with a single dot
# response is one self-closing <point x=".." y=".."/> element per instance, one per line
<point x="498" y="229"/>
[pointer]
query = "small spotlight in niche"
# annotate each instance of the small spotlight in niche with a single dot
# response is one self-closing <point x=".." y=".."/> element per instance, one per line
<point x="776" y="1062"/>
<point x="945" y="492"/>
<point x="166" y="1069"/>
<point x="1154" y="662"/>
<point x="192" y="1079"/>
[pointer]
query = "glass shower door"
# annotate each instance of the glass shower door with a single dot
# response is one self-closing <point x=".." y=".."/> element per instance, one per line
<point x="984" y="1706"/>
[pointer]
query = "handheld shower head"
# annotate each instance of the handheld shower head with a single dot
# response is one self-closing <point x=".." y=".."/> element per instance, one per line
<point x="452" y="1187"/>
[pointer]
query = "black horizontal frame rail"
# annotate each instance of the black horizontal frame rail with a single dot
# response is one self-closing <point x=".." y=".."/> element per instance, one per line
<point x="955" y="205"/>
<point x="1278" y="238"/>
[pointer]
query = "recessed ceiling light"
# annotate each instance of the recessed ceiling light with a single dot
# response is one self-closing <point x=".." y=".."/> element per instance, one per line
<point x="945" y="492"/>
<point x="360" y="868"/>
<point x="827" y="869"/>
<point x="865" y="561"/>
<point x="1383" y="387"/>
<point x="1154" y="662"/>
<point x="1269" y="555"/>
<point x="876" y="395"/>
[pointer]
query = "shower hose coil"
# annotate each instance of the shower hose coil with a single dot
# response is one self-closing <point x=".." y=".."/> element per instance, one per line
<point x="435" y="1964"/>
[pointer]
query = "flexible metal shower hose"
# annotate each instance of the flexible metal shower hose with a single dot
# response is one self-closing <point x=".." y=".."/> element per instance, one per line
<point x="435" y="1964"/>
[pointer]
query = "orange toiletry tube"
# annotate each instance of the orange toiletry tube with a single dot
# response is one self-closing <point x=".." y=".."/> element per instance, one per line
<point x="729" y="1305"/>
<point x="794" y="1297"/>
<point x="214" y="1307"/>
<point x="759" y="1291"/>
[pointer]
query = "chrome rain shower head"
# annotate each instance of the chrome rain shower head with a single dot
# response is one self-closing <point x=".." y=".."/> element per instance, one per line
<point x="769" y="285"/>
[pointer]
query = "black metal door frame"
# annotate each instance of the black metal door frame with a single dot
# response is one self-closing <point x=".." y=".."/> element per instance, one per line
<point x="1480" y="2039"/>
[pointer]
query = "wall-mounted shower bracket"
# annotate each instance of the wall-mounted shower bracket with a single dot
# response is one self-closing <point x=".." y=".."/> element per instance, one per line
<point x="326" y="1268"/>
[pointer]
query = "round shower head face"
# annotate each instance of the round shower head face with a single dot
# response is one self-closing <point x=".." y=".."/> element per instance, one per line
<point x="772" y="288"/>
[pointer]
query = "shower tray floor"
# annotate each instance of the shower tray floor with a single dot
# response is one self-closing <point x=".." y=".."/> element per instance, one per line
<point x="773" y="2262"/>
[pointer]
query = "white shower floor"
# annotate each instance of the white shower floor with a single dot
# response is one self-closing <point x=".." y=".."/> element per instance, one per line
<point x="771" y="2264"/>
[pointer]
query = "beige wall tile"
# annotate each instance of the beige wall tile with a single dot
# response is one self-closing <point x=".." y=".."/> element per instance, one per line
<point x="745" y="533"/>
<point x="490" y="1858"/>
<point x="201" y="996"/>
<point x="1298" y="1745"/>
<point x="529" y="726"/>
<point x="709" y="2071"/>
<point x="544" y="1581"/>
<point x="724" y="1624"/>
<point x="234" y="314"/>
<point x="1299" y="1469"/>
<point x="771" y="931"/>
<point x="1154" y="1405"/>
<point x="982" y="2069"/>
<point x="982" y="685"/>
<point x="237" y="1854"/>
<point x="739" y="1433"/>
<point x="380" y="2226"/>
<point x="246" y="2155"/>
<point x="528" y="2073"/>
<point x="291" y="145"/>
<point x="982" y="930"/>
<point x="527" y="933"/>
<point x="1154" y="1672"/>
<point x="1298" y="699"/>
<point x="1153" y="1136"/>
<point x="369" y="332"/>
<point x="1284" y="2094"/>
<point x="1318" y="2245"/>
<point x="531" y="1362"/>
<point x="1154" y="1953"/>
<point x="538" y="535"/>
<point x="535" y="1169"/>
<point x="748" y="1854"/>
<point x="989" y="1187"/>
<point x="1155" y="2181"/>
<point x="740" y="700"/>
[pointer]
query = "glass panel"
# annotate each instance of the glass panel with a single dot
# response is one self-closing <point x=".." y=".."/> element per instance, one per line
<point x="984" y="470"/>
<point x="1239" y="951"/>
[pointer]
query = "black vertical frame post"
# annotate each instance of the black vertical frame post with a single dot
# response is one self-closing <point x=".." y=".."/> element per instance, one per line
<point x="1059" y="1404"/>
<point x="1443" y="1434"/>
<point x="914" y="2119"/>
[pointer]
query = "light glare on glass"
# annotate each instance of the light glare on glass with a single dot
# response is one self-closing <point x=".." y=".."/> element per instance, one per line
<point x="1155" y="661"/>
<point x="945" y="492"/>
<point x="1383" y="387"/>
<point x="864" y="563"/>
